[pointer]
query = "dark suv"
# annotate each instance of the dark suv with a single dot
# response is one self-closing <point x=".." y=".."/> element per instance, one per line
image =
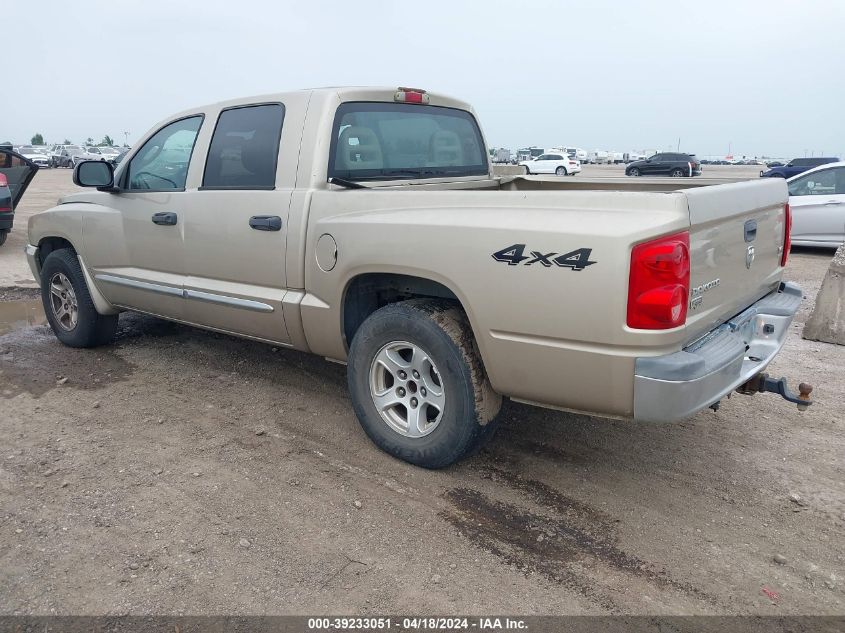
<point x="665" y="164"/>
<point x="796" y="166"/>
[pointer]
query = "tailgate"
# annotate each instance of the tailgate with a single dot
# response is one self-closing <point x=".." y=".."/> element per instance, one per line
<point x="736" y="243"/>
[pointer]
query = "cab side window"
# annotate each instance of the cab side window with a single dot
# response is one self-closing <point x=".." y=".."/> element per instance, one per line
<point x="162" y="163"/>
<point x="244" y="149"/>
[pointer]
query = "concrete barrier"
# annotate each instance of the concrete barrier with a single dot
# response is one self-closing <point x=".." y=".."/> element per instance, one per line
<point x="827" y="322"/>
<point x="508" y="170"/>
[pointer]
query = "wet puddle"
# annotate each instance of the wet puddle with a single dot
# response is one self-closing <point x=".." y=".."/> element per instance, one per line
<point x="15" y="315"/>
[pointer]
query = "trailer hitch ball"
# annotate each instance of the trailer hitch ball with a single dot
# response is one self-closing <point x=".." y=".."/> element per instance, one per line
<point x="762" y="383"/>
<point x="804" y="391"/>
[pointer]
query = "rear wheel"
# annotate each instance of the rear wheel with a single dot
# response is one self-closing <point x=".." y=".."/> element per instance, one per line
<point x="418" y="385"/>
<point x="634" y="171"/>
<point x="68" y="305"/>
<point x="3" y="234"/>
<point x="677" y="172"/>
<point x="560" y="171"/>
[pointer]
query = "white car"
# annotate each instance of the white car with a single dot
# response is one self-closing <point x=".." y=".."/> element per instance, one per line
<point x="559" y="164"/>
<point x="107" y="154"/>
<point x="817" y="200"/>
<point x="36" y="156"/>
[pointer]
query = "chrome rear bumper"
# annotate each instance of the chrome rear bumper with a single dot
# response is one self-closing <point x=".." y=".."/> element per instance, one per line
<point x="675" y="386"/>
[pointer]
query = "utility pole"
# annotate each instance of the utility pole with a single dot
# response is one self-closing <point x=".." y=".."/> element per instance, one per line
<point x="679" y="144"/>
<point x="126" y="138"/>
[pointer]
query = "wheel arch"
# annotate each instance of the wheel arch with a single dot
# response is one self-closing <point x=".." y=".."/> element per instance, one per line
<point x="366" y="292"/>
<point x="47" y="245"/>
<point x="50" y="243"/>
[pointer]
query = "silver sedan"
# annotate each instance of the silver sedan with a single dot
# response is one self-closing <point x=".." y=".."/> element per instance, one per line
<point x="817" y="200"/>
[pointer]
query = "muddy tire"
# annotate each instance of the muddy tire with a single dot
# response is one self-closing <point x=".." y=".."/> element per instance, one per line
<point x="68" y="305"/>
<point x="418" y="385"/>
<point x="3" y="235"/>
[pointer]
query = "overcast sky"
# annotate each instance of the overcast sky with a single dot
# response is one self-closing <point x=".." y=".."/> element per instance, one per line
<point x="766" y="76"/>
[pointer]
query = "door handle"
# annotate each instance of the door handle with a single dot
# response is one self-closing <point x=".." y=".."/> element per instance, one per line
<point x="831" y="202"/>
<point x="166" y="218"/>
<point x="266" y="222"/>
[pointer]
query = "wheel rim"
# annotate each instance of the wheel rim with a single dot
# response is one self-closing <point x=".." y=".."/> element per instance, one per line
<point x="407" y="389"/>
<point x="63" y="302"/>
<point x="635" y="172"/>
<point x="677" y="173"/>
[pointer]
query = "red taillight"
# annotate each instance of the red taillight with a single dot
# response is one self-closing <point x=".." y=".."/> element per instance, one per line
<point x="787" y="233"/>
<point x="410" y="95"/>
<point x="3" y="181"/>
<point x="658" y="285"/>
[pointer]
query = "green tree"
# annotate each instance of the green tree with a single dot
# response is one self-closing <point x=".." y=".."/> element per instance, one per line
<point x="67" y="142"/>
<point x="89" y="141"/>
<point x="107" y="141"/>
<point x="37" y="139"/>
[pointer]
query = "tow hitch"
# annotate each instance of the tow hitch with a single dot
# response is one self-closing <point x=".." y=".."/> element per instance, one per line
<point x="762" y="383"/>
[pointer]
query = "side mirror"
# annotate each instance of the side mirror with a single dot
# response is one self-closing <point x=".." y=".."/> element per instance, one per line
<point x="94" y="173"/>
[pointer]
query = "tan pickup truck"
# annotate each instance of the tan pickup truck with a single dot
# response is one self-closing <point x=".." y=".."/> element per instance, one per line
<point x="365" y="225"/>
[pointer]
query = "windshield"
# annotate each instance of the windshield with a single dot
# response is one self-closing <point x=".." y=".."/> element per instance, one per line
<point x="390" y="141"/>
<point x="73" y="150"/>
<point x="108" y="150"/>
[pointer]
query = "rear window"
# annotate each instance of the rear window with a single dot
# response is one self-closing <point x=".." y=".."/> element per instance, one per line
<point x="393" y="141"/>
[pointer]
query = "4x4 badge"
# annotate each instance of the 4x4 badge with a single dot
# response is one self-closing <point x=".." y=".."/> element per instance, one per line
<point x="749" y="257"/>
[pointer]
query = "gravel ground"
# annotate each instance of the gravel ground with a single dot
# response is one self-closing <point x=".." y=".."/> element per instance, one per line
<point x="184" y="472"/>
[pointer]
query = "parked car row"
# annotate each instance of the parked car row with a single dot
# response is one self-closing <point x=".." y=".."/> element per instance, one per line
<point x="67" y="155"/>
<point x="749" y="161"/>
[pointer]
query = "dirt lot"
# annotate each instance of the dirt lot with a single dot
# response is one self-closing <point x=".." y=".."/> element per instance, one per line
<point x="185" y="472"/>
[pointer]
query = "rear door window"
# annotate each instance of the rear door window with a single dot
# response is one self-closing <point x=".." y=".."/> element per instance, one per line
<point x="244" y="149"/>
<point x="393" y="141"/>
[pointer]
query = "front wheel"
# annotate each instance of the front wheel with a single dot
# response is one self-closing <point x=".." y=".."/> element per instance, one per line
<point x="68" y="305"/>
<point x="633" y="171"/>
<point x="677" y="173"/>
<point x="418" y="384"/>
<point x="560" y="171"/>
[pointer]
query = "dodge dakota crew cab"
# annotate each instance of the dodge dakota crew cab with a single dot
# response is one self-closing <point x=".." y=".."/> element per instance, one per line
<point x="366" y="225"/>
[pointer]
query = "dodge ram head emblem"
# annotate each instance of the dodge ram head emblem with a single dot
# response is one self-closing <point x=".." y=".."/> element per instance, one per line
<point x="749" y="257"/>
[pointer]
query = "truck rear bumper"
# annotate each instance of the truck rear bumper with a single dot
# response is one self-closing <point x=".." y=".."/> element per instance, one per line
<point x="675" y="386"/>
